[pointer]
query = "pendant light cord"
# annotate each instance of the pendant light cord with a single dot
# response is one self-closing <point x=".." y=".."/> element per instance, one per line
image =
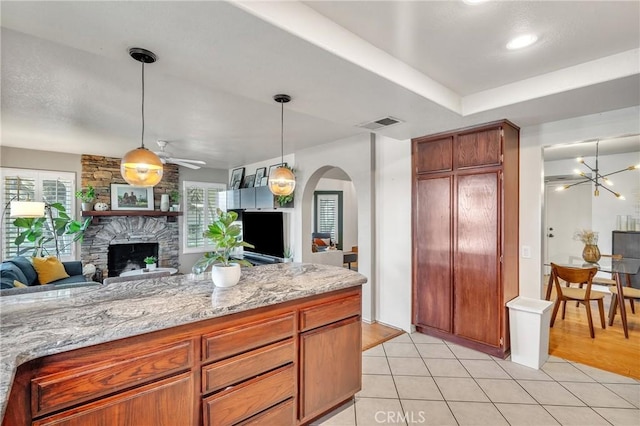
<point x="142" y="137"/>
<point x="281" y="134"/>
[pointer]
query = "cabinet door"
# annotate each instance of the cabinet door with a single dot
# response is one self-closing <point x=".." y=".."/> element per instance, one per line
<point x="433" y="156"/>
<point x="481" y="148"/>
<point x="330" y="366"/>
<point x="476" y="276"/>
<point x="172" y="401"/>
<point x="233" y="199"/>
<point x="432" y="253"/>
<point x="248" y="198"/>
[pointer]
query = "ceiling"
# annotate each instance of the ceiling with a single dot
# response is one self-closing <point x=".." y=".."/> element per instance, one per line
<point x="69" y="85"/>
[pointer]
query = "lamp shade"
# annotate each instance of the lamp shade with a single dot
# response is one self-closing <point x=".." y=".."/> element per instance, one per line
<point x="282" y="181"/>
<point x="27" y="209"/>
<point x="141" y="168"/>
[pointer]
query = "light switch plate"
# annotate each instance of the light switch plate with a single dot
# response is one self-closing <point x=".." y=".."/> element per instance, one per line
<point x="526" y="252"/>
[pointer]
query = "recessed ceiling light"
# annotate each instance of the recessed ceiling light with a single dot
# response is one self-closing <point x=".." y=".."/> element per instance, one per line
<point x="474" y="2"/>
<point x="522" y="41"/>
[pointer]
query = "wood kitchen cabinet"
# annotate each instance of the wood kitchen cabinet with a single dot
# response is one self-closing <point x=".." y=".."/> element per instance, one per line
<point x="330" y="358"/>
<point x="465" y="234"/>
<point x="243" y="368"/>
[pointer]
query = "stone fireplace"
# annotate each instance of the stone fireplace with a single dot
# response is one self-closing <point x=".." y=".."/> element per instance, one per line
<point x="105" y="231"/>
<point x="116" y="230"/>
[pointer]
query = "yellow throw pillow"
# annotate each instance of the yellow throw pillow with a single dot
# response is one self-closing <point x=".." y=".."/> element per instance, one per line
<point x="18" y="284"/>
<point x="49" y="269"/>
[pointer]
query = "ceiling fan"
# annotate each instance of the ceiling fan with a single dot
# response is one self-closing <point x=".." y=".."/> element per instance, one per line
<point x="166" y="157"/>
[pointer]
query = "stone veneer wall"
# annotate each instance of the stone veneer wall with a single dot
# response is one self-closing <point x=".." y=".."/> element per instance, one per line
<point x="100" y="172"/>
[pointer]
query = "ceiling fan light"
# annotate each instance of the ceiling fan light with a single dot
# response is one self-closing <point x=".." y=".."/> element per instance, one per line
<point x="141" y="168"/>
<point x="282" y="181"/>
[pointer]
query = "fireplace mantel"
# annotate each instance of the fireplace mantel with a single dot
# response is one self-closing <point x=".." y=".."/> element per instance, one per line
<point x="171" y="216"/>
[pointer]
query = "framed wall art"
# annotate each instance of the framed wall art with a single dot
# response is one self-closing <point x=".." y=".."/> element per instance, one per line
<point x="260" y="173"/>
<point x="236" y="178"/>
<point x="127" y="197"/>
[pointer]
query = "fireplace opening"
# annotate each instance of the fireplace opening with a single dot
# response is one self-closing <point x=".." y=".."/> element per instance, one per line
<point x="127" y="257"/>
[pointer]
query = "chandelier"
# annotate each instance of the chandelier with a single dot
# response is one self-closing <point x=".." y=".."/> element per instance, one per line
<point x="598" y="179"/>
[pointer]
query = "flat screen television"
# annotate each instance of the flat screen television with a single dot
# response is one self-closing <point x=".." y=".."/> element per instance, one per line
<point x="265" y="231"/>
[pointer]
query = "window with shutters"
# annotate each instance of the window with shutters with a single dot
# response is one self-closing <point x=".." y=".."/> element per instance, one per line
<point x="201" y="199"/>
<point x="328" y="214"/>
<point x="37" y="185"/>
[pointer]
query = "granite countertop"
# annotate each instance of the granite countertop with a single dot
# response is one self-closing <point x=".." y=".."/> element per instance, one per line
<point x="45" y="323"/>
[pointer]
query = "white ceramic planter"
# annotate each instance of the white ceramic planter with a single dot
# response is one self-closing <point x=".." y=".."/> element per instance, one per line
<point x="225" y="276"/>
<point x="151" y="266"/>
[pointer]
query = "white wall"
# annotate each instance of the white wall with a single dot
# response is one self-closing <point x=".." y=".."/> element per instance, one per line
<point x="349" y="209"/>
<point x="393" y="227"/>
<point x="606" y="207"/>
<point x="355" y="156"/>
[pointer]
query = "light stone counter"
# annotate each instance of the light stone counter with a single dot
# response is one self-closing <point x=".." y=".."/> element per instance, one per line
<point x="46" y="323"/>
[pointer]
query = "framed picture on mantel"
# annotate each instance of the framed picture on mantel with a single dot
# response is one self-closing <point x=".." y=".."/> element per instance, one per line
<point x="127" y="197"/>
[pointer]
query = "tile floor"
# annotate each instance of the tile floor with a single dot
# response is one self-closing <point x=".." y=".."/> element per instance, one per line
<point x="420" y="380"/>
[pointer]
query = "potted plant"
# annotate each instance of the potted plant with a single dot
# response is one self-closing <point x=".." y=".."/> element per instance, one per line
<point x="288" y="255"/>
<point x="591" y="252"/>
<point x="87" y="198"/>
<point x="174" y="197"/>
<point x="225" y="236"/>
<point x="150" y="261"/>
<point x="51" y="227"/>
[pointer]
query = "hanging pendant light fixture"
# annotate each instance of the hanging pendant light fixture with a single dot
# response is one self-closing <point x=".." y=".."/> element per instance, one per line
<point x="282" y="181"/>
<point x="597" y="178"/>
<point x="141" y="167"/>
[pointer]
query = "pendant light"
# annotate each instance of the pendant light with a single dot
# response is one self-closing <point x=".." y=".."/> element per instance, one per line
<point x="141" y="167"/>
<point x="282" y="181"/>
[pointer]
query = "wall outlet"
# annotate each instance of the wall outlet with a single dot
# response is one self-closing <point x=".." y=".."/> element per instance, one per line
<point x="526" y="252"/>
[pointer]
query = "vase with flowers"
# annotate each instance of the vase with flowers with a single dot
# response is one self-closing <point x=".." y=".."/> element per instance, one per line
<point x="591" y="252"/>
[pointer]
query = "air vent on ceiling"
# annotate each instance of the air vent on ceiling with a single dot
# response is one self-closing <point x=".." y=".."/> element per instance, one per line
<point x="380" y="123"/>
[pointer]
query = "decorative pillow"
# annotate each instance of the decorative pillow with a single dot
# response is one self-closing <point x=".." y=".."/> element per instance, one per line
<point x="10" y="272"/>
<point x="18" y="284"/>
<point x="27" y="269"/>
<point x="322" y="242"/>
<point x="49" y="269"/>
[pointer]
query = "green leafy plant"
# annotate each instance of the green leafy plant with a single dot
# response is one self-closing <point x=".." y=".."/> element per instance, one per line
<point x="150" y="260"/>
<point x="41" y="230"/>
<point x="288" y="253"/>
<point x="226" y="238"/>
<point x="86" y="196"/>
<point x="174" y="196"/>
<point x="283" y="200"/>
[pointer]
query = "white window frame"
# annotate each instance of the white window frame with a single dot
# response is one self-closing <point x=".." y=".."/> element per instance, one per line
<point x="222" y="202"/>
<point x="38" y="176"/>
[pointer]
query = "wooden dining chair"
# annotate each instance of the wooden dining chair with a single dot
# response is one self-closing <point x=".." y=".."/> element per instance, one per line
<point x="628" y="293"/>
<point x="582" y="295"/>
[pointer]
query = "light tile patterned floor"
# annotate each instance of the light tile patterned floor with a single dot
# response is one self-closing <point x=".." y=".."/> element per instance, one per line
<point x="420" y="380"/>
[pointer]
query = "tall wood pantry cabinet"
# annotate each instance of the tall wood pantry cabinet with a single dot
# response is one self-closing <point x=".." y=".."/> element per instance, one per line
<point x="465" y="234"/>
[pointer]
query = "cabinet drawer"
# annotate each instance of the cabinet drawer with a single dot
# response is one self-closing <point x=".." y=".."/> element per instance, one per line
<point x="316" y="316"/>
<point x="233" y="341"/>
<point x="242" y="367"/>
<point x="239" y="403"/>
<point x="165" y="402"/>
<point x="282" y="415"/>
<point x="76" y="385"/>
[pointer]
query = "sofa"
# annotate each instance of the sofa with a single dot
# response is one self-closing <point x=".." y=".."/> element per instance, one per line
<point x="20" y="269"/>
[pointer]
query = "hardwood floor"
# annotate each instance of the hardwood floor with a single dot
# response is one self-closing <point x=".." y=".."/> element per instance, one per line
<point x="374" y="334"/>
<point x="609" y="350"/>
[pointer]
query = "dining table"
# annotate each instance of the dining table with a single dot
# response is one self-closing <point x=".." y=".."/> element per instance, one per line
<point x="616" y="267"/>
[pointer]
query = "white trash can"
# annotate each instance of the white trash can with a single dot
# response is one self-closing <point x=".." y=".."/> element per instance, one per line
<point x="529" y="330"/>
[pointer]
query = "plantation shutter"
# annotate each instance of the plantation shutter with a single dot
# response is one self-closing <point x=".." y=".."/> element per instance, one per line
<point x="201" y="199"/>
<point x="36" y="185"/>
<point x="328" y="216"/>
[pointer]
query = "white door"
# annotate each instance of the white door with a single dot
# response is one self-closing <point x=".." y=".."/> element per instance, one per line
<point x="565" y="212"/>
